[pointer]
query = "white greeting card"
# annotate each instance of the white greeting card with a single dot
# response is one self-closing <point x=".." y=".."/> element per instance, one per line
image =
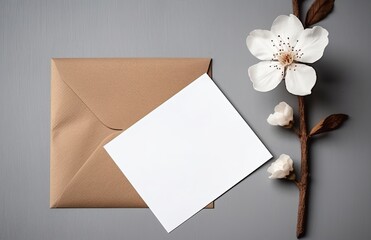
<point x="187" y="152"/>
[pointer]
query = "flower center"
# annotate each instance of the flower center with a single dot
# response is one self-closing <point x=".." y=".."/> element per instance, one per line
<point x="285" y="58"/>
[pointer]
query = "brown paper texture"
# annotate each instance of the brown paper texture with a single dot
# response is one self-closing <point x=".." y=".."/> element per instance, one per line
<point x="94" y="100"/>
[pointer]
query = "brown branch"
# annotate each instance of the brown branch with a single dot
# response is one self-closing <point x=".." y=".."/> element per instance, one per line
<point x="304" y="170"/>
<point x="302" y="184"/>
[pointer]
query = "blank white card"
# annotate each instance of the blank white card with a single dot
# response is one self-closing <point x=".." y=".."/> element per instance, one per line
<point x="187" y="152"/>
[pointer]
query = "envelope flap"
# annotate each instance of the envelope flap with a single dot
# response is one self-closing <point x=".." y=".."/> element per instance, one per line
<point x="120" y="91"/>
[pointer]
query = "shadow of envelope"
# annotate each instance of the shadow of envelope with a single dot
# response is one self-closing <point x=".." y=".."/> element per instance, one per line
<point x="93" y="101"/>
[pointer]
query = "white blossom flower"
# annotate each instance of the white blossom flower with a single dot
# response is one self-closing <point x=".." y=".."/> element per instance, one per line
<point x="282" y="116"/>
<point x="282" y="167"/>
<point x="283" y="50"/>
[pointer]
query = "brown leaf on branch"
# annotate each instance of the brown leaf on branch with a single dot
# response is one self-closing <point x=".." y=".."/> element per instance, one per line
<point x="318" y="11"/>
<point x="330" y="123"/>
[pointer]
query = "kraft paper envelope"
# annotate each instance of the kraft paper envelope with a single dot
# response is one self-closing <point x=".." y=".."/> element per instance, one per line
<point x="92" y="102"/>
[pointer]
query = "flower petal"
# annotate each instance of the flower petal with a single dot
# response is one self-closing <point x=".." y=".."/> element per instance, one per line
<point x="288" y="113"/>
<point x="287" y="26"/>
<point x="300" y="79"/>
<point x="284" y="108"/>
<point x="260" y="44"/>
<point x="265" y="75"/>
<point x="291" y="164"/>
<point x="279" y="118"/>
<point x="311" y="44"/>
<point x="272" y="120"/>
<point x="278" y="174"/>
<point x="271" y="169"/>
<point x="283" y="115"/>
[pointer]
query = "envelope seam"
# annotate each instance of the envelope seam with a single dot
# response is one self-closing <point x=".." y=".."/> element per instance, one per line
<point x="117" y="129"/>
<point x="74" y="176"/>
<point x="61" y="77"/>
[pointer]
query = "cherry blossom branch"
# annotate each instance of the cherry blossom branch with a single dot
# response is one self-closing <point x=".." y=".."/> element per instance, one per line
<point x="287" y="58"/>
<point x="304" y="170"/>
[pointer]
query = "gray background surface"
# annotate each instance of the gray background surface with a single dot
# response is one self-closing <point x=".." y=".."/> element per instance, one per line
<point x="32" y="32"/>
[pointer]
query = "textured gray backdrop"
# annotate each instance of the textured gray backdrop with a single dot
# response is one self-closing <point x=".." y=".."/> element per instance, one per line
<point x="32" y="32"/>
